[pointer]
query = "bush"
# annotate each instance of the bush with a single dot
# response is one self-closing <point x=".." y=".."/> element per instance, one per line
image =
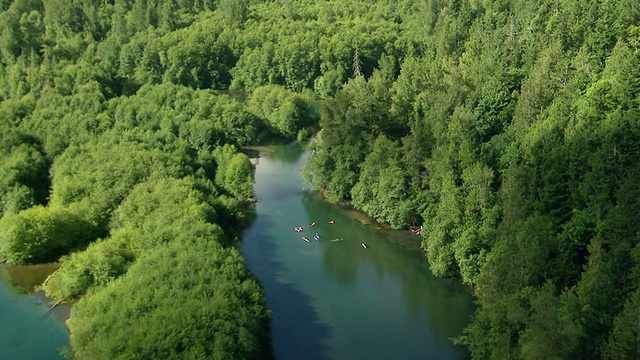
<point x="185" y="300"/>
<point x="41" y="234"/>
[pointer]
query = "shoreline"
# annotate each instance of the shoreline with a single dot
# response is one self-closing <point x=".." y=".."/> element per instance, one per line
<point x="61" y="311"/>
<point x="27" y="279"/>
<point x="401" y="237"/>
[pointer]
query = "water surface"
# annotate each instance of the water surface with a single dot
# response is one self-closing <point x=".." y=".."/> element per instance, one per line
<point x="336" y="300"/>
<point x="29" y="330"/>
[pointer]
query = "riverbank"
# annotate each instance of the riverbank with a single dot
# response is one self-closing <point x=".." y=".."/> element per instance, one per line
<point x="32" y="330"/>
<point x="403" y="238"/>
<point x="28" y="278"/>
<point x="62" y="312"/>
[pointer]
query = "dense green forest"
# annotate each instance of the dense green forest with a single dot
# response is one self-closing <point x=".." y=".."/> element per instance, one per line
<point x="509" y="130"/>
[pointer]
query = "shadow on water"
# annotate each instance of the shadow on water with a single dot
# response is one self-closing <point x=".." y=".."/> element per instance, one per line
<point x="289" y="154"/>
<point x="268" y="244"/>
<point x="297" y="331"/>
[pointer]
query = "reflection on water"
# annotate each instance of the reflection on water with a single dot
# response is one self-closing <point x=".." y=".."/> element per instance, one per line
<point x="336" y="300"/>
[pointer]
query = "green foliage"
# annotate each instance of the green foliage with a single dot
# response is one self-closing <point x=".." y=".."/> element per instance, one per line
<point x="284" y="111"/>
<point x="185" y="300"/>
<point x="381" y="189"/>
<point x="41" y="234"/>
<point x="95" y="178"/>
<point x="623" y="341"/>
<point x="195" y="58"/>
<point x="234" y="172"/>
<point x="329" y="82"/>
<point x="442" y="224"/>
<point x="138" y="226"/>
<point x="508" y="129"/>
<point x="235" y="121"/>
<point x="24" y="170"/>
<point x="234" y="11"/>
<point x="100" y="263"/>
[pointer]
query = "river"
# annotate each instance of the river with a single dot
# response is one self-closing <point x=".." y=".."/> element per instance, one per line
<point x="29" y="330"/>
<point x="329" y="300"/>
<point x="337" y="300"/>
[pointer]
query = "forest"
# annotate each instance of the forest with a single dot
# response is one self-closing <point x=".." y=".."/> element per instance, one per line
<point x="508" y="129"/>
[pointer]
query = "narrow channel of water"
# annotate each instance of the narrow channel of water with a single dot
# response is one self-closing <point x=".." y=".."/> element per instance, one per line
<point x="28" y="330"/>
<point x="337" y="300"/>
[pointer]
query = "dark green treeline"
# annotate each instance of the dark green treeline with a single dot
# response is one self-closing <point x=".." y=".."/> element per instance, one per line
<point x="508" y="129"/>
<point x="511" y="133"/>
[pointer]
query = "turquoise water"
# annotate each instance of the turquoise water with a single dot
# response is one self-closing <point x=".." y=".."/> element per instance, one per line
<point x="336" y="300"/>
<point x="28" y="330"/>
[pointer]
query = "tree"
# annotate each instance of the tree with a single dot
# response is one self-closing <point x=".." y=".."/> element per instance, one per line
<point x="285" y="112"/>
<point x="100" y="263"/>
<point x="624" y="339"/>
<point x="23" y="169"/>
<point x="234" y="172"/>
<point x="381" y="189"/>
<point x="547" y="336"/>
<point x="235" y="11"/>
<point x="150" y="312"/>
<point x="41" y="234"/>
<point x="441" y="227"/>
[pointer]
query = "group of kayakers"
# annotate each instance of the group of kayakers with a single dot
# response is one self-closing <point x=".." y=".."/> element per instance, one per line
<point x="316" y="237"/>
<point x="312" y="224"/>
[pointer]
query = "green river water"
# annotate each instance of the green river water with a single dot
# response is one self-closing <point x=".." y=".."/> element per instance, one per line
<point x="336" y="300"/>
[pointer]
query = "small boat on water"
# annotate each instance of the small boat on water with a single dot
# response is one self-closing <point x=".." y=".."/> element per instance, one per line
<point x="337" y="239"/>
<point x="364" y="246"/>
<point x="305" y="238"/>
<point x="331" y="222"/>
<point x="298" y="229"/>
<point x="316" y="237"/>
<point x="313" y="223"/>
